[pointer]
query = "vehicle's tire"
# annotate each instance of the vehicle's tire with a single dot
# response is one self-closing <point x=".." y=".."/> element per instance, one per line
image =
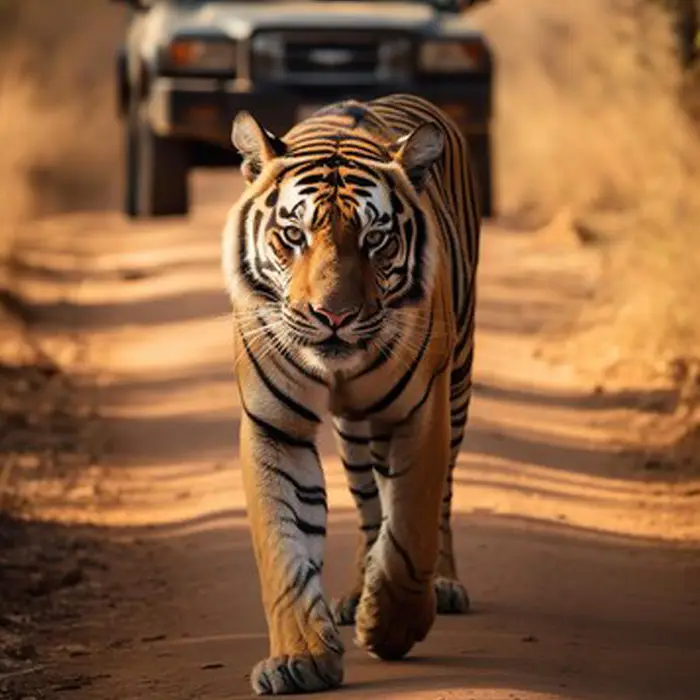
<point x="480" y="150"/>
<point x="156" y="171"/>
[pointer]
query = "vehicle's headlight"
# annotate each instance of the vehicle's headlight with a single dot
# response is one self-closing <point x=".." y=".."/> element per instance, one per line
<point x="453" y="56"/>
<point x="191" y="55"/>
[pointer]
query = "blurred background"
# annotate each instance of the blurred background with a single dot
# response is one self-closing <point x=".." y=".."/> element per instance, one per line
<point x="597" y="114"/>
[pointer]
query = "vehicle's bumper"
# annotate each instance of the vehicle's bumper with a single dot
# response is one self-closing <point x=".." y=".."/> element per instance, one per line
<point x="203" y="109"/>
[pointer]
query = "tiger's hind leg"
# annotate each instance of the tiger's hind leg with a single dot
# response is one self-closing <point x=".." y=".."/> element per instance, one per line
<point x="354" y="445"/>
<point x="452" y="596"/>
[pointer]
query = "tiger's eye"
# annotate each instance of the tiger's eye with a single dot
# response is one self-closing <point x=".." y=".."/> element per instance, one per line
<point x="293" y="235"/>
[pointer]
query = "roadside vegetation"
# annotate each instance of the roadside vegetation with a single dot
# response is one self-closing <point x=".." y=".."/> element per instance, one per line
<point x="599" y="142"/>
<point x="57" y="125"/>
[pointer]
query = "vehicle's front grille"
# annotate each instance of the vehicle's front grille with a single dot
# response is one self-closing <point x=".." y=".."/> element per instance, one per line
<point x="329" y="57"/>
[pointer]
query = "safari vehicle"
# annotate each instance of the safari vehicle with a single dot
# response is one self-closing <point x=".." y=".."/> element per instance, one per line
<point x="188" y="66"/>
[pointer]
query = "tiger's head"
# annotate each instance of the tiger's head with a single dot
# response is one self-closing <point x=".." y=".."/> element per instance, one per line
<point x="328" y="245"/>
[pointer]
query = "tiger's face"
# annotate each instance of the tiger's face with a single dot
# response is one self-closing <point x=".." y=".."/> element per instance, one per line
<point x="330" y="249"/>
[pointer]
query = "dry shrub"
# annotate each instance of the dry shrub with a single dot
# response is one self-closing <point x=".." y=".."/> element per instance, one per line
<point x="589" y="120"/>
<point x="587" y="108"/>
<point x="57" y="110"/>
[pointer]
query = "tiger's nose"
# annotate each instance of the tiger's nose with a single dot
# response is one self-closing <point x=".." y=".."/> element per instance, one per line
<point x="334" y="319"/>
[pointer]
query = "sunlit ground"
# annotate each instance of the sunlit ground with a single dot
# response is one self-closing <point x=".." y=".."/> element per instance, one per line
<point x="568" y="548"/>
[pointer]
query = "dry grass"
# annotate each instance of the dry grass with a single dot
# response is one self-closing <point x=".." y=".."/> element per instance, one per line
<point x="589" y="121"/>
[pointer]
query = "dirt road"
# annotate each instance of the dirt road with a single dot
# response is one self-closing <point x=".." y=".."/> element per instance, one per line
<point x="583" y="571"/>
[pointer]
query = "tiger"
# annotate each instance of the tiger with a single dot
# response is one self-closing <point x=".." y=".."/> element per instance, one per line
<point x="350" y="260"/>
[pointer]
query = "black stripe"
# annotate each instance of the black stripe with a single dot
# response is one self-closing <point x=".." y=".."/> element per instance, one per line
<point x="421" y="241"/>
<point x="272" y="197"/>
<point x="294" y="518"/>
<point x="315" y="179"/>
<point x="385" y="471"/>
<point x="359" y="192"/>
<point x="382" y="470"/>
<point x="368" y="157"/>
<point x="465" y="320"/>
<point x="299" y="488"/>
<point x="303" y="577"/>
<point x="358" y="468"/>
<point x="424" y="398"/>
<point x="359" y="180"/>
<point x="275" y="434"/>
<point x="369" y="169"/>
<point x="255" y="285"/>
<point x="289" y="402"/>
<point x="401" y="384"/>
<point x="318" y="598"/>
<point x="453" y="255"/>
<point x="456" y="408"/>
<point x="412" y="571"/>
<point x="459" y="414"/>
<point x="352" y="439"/>
<point x="309" y="528"/>
<point x="313" y="500"/>
<point x="458" y="391"/>
<point x="459" y="374"/>
<point x="365" y="495"/>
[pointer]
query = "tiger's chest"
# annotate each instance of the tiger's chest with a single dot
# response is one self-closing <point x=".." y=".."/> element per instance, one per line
<point x="388" y="395"/>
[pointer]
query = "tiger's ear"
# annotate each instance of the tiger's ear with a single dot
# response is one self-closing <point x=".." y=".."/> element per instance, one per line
<point x="257" y="145"/>
<point x="418" y="151"/>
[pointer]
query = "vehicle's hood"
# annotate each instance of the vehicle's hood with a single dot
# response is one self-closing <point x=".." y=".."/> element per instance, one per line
<point x="240" y="19"/>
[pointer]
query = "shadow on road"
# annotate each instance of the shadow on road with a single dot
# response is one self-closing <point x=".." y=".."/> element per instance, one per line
<point x="556" y="610"/>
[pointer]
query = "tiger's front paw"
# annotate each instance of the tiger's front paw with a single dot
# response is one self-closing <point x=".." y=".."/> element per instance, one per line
<point x="303" y="673"/>
<point x="391" y="619"/>
<point x="452" y="596"/>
